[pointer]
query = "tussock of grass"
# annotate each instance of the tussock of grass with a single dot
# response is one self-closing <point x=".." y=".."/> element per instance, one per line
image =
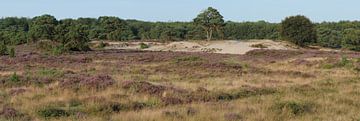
<point x="294" y="107"/>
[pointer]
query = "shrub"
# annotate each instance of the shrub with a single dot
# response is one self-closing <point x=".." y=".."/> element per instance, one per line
<point x="344" y="62"/>
<point x="259" y="46"/>
<point x="295" y="108"/>
<point x="187" y="59"/>
<point x="58" y="50"/>
<point x="352" y="39"/>
<point x="12" y="52"/>
<point x="329" y="38"/>
<point x="51" y="47"/>
<point x="298" y="30"/>
<point x="3" y="49"/>
<point x="74" y="102"/>
<point x="143" y="46"/>
<point x="50" y="112"/>
<point x="113" y="107"/>
<point x="102" y="45"/>
<point x="44" y="72"/>
<point x="14" y="78"/>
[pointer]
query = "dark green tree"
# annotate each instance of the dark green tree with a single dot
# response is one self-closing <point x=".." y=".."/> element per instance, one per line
<point x="210" y="20"/>
<point x="63" y="28"/>
<point x="76" y="39"/>
<point x="329" y="38"/>
<point x="298" y="30"/>
<point x="352" y="39"/>
<point x="43" y="28"/>
<point x="115" y="28"/>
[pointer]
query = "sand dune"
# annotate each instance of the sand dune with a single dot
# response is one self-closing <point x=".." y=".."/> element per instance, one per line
<point x="224" y="47"/>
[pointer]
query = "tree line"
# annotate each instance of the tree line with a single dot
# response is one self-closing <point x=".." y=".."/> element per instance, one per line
<point x="74" y="34"/>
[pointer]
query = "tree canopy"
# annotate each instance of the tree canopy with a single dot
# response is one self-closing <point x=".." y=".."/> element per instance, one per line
<point x="299" y="30"/>
<point x="209" y="24"/>
<point x="210" y="20"/>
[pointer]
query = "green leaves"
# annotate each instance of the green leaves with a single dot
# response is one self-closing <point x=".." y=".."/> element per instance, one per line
<point x="43" y="27"/>
<point x="210" y="20"/>
<point x="298" y="30"/>
<point x="352" y="39"/>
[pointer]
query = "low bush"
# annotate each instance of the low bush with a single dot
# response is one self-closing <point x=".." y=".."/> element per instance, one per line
<point x="3" y="49"/>
<point x="187" y="59"/>
<point x="344" y="62"/>
<point x="113" y="107"/>
<point x="50" y="47"/>
<point x="49" y="72"/>
<point x="12" y="52"/>
<point x="51" y="112"/>
<point x="101" y="45"/>
<point x="259" y="46"/>
<point x="14" y="78"/>
<point x="144" y="46"/>
<point x="74" y="102"/>
<point x="295" y="108"/>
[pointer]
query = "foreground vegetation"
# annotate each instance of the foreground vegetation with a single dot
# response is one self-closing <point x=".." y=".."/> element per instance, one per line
<point x="134" y="85"/>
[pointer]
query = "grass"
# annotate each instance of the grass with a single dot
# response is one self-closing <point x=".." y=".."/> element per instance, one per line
<point x="209" y="87"/>
<point x="143" y="46"/>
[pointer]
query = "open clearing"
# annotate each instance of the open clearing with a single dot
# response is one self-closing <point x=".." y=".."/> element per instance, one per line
<point x="134" y="85"/>
<point x="223" y="47"/>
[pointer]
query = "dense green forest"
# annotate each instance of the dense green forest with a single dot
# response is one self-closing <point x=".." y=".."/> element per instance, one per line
<point x="15" y="31"/>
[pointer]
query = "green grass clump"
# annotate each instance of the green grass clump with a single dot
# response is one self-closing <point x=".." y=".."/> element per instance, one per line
<point x="3" y="49"/>
<point x="262" y="46"/>
<point x="187" y="59"/>
<point x="14" y="78"/>
<point x="48" y="72"/>
<point x="51" y="112"/>
<point x="144" y="46"/>
<point x="294" y="107"/>
<point x="344" y="62"/>
<point x="12" y="52"/>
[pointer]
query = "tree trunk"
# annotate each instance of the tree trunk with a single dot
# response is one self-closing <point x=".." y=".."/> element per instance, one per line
<point x="207" y="35"/>
<point x="210" y="35"/>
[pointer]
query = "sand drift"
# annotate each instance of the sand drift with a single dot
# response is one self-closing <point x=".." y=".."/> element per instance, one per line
<point x="223" y="47"/>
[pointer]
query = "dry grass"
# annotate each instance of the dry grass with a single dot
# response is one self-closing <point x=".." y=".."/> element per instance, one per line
<point x="262" y="87"/>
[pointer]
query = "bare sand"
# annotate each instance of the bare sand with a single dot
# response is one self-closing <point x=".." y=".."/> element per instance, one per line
<point x="224" y="46"/>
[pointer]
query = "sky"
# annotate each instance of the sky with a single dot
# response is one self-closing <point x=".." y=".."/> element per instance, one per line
<point x="185" y="10"/>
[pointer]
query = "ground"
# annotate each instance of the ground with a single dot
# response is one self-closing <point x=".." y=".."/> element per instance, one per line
<point x="223" y="47"/>
<point x="137" y="85"/>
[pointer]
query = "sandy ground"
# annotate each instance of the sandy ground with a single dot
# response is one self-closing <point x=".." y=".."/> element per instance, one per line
<point x="224" y="47"/>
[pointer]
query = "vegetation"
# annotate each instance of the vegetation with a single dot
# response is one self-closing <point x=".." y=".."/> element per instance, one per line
<point x="3" y="49"/>
<point x="299" y="30"/>
<point x="73" y="34"/>
<point x="132" y="85"/>
<point x="260" y="85"/>
<point x="352" y="39"/>
<point x="12" y="52"/>
<point x="143" y="46"/>
<point x="210" y="20"/>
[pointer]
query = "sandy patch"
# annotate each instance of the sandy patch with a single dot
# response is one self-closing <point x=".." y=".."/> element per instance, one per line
<point x="224" y="47"/>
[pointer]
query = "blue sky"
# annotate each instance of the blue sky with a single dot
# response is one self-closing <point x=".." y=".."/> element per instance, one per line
<point x="185" y="10"/>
